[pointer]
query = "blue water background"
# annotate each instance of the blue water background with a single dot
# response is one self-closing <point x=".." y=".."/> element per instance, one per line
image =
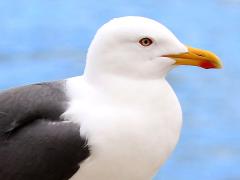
<point x="44" y="40"/>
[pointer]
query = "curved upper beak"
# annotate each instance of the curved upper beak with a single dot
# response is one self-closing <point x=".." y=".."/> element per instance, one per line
<point x="197" y="57"/>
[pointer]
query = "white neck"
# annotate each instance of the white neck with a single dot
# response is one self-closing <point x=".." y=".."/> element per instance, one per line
<point x="135" y="122"/>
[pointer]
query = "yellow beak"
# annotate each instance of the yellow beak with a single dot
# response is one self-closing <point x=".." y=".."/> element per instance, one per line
<point x="197" y="57"/>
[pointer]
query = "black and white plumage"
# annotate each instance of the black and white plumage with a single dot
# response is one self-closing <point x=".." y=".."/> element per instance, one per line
<point x="120" y="120"/>
<point x="36" y="143"/>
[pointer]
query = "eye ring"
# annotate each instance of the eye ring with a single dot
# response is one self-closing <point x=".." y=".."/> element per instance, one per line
<point x="145" y="41"/>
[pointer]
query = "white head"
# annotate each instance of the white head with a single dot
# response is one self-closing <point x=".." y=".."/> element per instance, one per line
<point x="136" y="47"/>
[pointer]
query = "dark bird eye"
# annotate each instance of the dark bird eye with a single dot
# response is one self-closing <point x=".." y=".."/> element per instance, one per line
<point x="145" y="42"/>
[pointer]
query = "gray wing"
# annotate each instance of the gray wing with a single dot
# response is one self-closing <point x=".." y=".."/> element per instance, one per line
<point x="35" y="143"/>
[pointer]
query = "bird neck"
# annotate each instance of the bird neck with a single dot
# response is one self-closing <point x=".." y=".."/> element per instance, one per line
<point x="128" y="90"/>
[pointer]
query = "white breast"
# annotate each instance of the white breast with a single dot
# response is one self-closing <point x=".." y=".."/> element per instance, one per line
<point x="131" y="129"/>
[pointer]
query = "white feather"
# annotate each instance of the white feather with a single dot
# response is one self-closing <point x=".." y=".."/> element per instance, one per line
<point x="125" y="107"/>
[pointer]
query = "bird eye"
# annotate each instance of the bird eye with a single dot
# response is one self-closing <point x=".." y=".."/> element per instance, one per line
<point x="145" y="42"/>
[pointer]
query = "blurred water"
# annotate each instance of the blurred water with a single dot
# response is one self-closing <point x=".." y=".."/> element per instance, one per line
<point x="46" y="40"/>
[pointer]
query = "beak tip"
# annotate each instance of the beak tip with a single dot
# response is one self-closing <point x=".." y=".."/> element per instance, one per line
<point x="211" y="65"/>
<point x="207" y="65"/>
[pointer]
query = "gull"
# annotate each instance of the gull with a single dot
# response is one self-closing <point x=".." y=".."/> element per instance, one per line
<point x="120" y="120"/>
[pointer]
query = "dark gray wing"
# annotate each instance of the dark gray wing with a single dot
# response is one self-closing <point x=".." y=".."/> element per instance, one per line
<point x="35" y="143"/>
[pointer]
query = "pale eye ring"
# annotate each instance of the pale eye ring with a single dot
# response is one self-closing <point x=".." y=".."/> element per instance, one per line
<point x="145" y="41"/>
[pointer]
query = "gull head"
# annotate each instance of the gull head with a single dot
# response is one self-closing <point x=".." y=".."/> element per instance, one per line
<point x="138" y="47"/>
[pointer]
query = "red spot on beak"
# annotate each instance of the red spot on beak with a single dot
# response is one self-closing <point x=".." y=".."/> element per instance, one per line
<point x="207" y="65"/>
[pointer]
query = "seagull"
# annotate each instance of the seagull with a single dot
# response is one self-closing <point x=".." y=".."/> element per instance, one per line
<point x="120" y="120"/>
